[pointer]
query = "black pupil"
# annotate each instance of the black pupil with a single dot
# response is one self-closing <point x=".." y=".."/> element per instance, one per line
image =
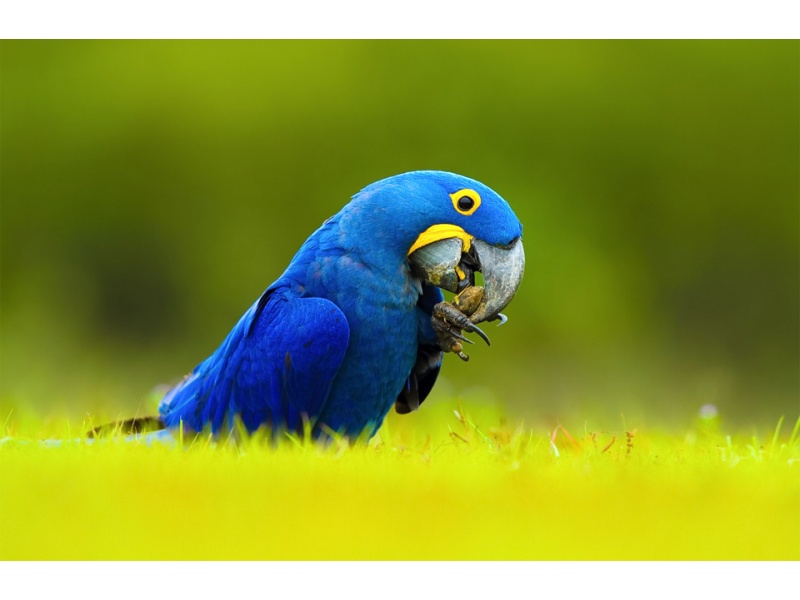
<point x="465" y="203"/>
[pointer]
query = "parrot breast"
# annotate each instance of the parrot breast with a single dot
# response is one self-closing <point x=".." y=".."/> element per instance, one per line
<point x="378" y="298"/>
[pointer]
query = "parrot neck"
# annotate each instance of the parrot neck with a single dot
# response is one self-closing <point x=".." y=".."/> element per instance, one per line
<point x="368" y="227"/>
<point x="340" y="263"/>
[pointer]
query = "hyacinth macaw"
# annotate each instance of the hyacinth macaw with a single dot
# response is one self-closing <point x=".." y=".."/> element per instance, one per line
<point x="352" y="326"/>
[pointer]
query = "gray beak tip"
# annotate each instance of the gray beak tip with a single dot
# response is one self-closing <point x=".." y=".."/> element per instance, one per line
<point x="502" y="269"/>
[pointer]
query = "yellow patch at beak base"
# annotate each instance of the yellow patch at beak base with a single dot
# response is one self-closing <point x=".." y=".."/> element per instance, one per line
<point x="434" y="233"/>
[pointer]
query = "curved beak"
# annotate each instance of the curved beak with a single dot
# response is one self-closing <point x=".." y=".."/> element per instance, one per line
<point x="502" y="268"/>
<point x="446" y="265"/>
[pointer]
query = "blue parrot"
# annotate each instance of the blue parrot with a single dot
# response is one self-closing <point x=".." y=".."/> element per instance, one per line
<point x="357" y="323"/>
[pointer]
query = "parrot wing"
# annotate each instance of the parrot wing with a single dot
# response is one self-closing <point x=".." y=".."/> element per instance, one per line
<point x="275" y="368"/>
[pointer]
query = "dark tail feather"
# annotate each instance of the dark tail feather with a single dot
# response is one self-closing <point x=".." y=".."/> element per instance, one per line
<point x="128" y="427"/>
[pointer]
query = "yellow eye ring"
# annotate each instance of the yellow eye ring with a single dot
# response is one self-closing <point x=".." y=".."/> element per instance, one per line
<point x="466" y="201"/>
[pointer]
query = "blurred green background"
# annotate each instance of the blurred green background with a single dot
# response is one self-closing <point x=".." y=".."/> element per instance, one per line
<point x="152" y="189"/>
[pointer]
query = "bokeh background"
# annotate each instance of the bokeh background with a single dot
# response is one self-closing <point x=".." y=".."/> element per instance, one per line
<point x="152" y="189"/>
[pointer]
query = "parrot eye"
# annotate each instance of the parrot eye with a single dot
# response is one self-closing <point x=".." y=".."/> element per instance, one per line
<point x="466" y="201"/>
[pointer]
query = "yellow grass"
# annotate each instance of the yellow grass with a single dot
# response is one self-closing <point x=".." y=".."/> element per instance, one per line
<point x="480" y="492"/>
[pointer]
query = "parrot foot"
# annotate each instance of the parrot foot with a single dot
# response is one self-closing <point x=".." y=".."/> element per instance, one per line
<point x="448" y="322"/>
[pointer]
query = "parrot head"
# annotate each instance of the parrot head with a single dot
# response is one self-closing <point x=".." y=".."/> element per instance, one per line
<point x="448" y="227"/>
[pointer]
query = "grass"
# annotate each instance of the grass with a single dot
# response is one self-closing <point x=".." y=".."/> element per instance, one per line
<point x="462" y="490"/>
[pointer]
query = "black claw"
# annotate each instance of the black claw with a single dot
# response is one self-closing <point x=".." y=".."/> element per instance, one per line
<point x="457" y="334"/>
<point x="475" y="329"/>
<point x="448" y="323"/>
<point x="462" y="338"/>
